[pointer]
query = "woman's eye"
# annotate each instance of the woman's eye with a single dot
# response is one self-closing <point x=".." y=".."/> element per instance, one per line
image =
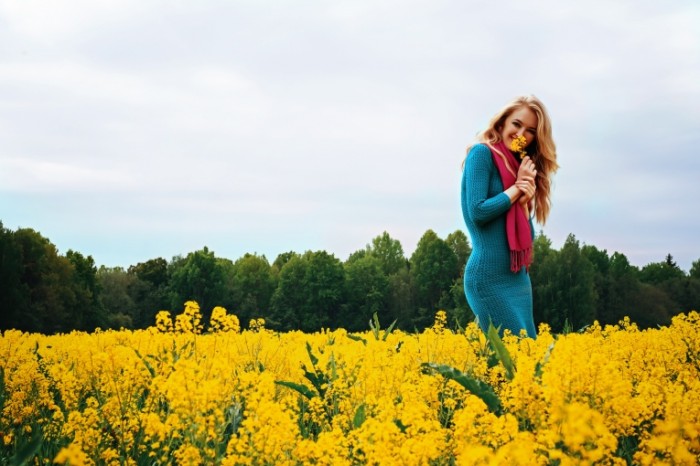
<point x="531" y="131"/>
<point x="516" y="124"/>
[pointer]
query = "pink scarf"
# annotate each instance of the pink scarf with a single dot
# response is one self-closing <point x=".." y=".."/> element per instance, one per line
<point x="517" y="223"/>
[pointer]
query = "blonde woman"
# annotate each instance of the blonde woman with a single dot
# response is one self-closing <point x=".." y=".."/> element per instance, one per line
<point x="506" y="184"/>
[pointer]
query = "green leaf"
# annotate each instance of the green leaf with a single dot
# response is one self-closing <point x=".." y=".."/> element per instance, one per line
<point x="360" y="416"/>
<point x="28" y="451"/>
<point x="357" y="338"/>
<point x="501" y="352"/>
<point x="317" y="380"/>
<point x="303" y="389"/>
<point x="314" y="359"/>
<point x="333" y="368"/>
<point x="401" y="425"/>
<point x="475" y="386"/>
<point x="389" y="330"/>
<point x="146" y="363"/>
<point x="2" y="388"/>
<point x="374" y="325"/>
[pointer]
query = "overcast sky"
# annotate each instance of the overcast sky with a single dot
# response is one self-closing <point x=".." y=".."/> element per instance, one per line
<point x="136" y="129"/>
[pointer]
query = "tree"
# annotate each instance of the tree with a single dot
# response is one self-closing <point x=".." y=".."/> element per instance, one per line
<point x="46" y="281"/>
<point x="573" y="286"/>
<point x="402" y="299"/>
<point x="149" y="291"/>
<point x="623" y="288"/>
<point x="309" y="292"/>
<point x="649" y="306"/>
<point x="325" y="285"/>
<point x="542" y="277"/>
<point x="458" y="242"/>
<point x="289" y="299"/>
<point x="389" y="252"/>
<point x="115" y="298"/>
<point x="601" y="280"/>
<point x="684" y="294"/>
<point x="87" y="311"/>
<point x="153" y="271"/>
<point x="252" y="286"/>
<point x="199" y="277"/>
<point x="434" y="269"/>
<point x="460" y="310"/>
<point x="282" y="259"/>
<point x="14" y="294"/>
<point x="695" y="270"/>
<point x="366" y="292"/>
<point x="658" y="272"/>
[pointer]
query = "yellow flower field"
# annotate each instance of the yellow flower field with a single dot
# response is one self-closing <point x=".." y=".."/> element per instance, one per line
<point x="188" y="393"/>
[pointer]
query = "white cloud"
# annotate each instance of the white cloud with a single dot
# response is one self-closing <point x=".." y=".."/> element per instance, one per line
<point x="338" y="119"/>
<point x="34" y="176"/>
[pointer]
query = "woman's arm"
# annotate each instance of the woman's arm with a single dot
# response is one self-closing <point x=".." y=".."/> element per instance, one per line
<point x="475" y="186"/>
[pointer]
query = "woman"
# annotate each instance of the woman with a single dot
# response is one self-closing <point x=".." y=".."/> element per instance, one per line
<point x="501" y="193"/>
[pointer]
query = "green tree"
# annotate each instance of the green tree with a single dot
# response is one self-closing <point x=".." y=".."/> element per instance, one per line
<point x="658" y="272"/>
<point x="650" y="306"/>
<point x="683" y="292"/>
<point x="309" y="292"/>
<point x="357" y="255"/>
<point x="458" y="242"/>
<point x="624" y="287"/>
<point x="199" y="277"/>
<point x="542" y="277"/>
<point x="252" y="286"/>
<point x="434" y="269"/>
<point x="115" y="298"/>
<point x="389" y="251"/>
<point x="282" y="259"/>
<point x="87" y="312"/>
<point x="574" y="291"/>
<point x="47" y="280"/>
<point x="695" y="270"/>
<point x="149" y="291"/>
<point x="402" y="299"/>
<point x="460" y="310"/>
<point x="601" y="280"/>
<point x="366" y="292"/>
<point x="289" y="298"/>
<point x="14" y="294"/>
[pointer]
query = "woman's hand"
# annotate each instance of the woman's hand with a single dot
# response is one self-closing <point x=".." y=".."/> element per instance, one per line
<point x="527" y="169"/>
<point x="523" y="190"/>
<point x="526" y="183"/>
<point x="527" y="188"/>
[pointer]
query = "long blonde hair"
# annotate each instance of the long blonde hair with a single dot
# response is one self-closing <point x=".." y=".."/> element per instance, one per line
<point x="542" y="150"/>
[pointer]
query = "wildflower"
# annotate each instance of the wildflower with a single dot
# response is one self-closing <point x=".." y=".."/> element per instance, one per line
<point x="257" y="325"/>
<point x="518" y="145"/>
<point x="440" y="321"/>
<point x="73" y="455"/>
<point x="163" y="322"/>
<point x="222" y="322"/>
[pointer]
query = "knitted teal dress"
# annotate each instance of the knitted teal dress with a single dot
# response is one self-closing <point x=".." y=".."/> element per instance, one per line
<point x="494" y="293"/>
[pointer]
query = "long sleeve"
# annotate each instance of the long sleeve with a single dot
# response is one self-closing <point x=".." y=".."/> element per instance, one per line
<point x="475" y="187"/>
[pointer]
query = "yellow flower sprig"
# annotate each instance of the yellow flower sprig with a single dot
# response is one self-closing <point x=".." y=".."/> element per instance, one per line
<point x="518" y="145"/>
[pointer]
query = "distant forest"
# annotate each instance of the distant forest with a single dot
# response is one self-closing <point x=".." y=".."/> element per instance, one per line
<point x="47" y="292"/>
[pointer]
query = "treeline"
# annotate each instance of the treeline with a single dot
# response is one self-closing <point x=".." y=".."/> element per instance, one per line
<point x="44" y="291"/>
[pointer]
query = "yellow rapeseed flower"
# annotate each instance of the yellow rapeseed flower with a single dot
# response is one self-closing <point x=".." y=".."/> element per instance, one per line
<point x="518" y="145"/>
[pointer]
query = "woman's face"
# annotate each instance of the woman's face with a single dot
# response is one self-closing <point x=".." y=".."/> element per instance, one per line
<point x="521" y="122"/>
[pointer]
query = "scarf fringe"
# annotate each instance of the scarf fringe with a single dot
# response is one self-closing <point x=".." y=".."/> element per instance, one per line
<point x="521" y="258"/>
